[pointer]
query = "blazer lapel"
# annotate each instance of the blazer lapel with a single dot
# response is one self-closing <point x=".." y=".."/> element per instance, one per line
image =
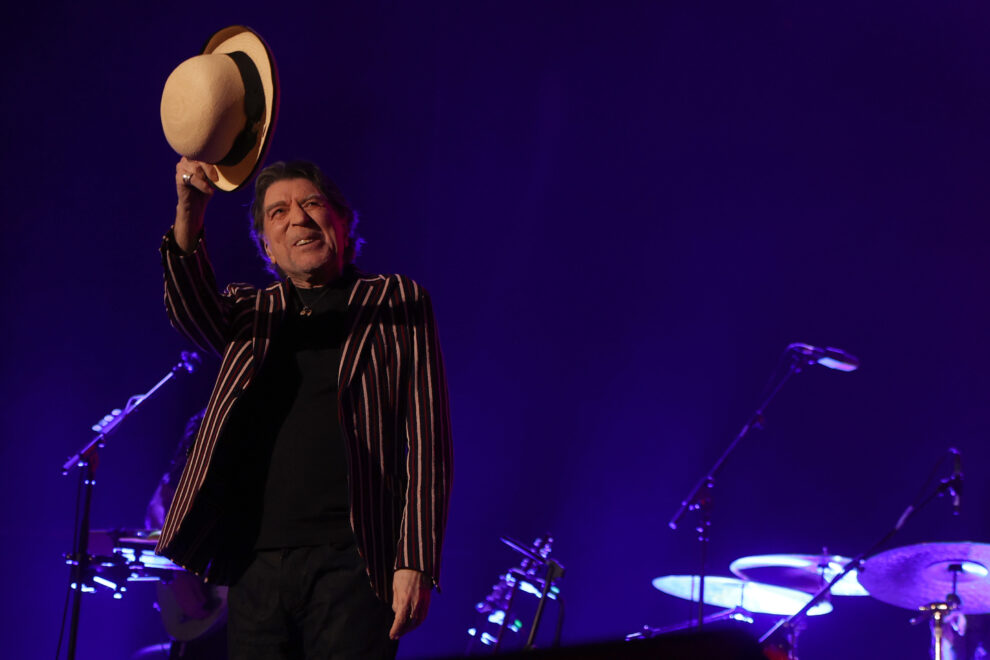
<point x="269" y="311"/>
<point x="363" y="306"/>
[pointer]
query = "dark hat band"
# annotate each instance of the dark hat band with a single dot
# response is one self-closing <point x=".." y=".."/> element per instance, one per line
<point x="254" y="109"/>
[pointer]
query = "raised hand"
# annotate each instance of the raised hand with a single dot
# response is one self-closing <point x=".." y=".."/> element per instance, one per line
<point x="193" y="190"/>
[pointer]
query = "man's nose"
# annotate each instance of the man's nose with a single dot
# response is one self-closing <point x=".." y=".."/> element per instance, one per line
<point x="299" y="216"/>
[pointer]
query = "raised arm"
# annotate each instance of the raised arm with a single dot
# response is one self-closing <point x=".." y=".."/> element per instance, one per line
<point x="195" y="307"/>
<point x="193" y="190"/>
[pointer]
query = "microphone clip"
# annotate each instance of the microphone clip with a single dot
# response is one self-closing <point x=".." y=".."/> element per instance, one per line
<point x="953" y="484"/>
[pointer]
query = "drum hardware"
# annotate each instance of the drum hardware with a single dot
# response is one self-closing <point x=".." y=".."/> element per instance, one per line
<point x="554" y="571"/>
<point x="938" y="570"/>
<point x="122" y="556"/>
<point x="936" y="612"/>
<point x="953" y="643"/>
<point x="81" y="572"/>
<point x="916" y="575"/>
<point x="537" y="575"/>
<point x="784" y="646"/>
<point x="733" y="614"/>
<point x="749" y="597"/>
<point x="746" y="595"/>
<point x="699" y="499"/>
<point x="936" y="579"/>
<point x="534" y="555"/>
<point x="533" y="585"/>
<point x="807" y="573"/>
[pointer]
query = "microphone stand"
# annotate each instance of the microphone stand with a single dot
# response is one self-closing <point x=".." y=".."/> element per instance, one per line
<point x="949" y="485"/>
<point x="87" y="459"/>
<point x="699" y="499"/>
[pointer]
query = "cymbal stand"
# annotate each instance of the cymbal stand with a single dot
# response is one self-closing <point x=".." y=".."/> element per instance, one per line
<point x="87" y="459"/>
<point x="788" y="640"/>
<point x="554" y="571"/>
<point x="699" y="499"/>
<point x="945" y="486"/>
<point x="497" y="607"/>
<point x="937" y="613"/>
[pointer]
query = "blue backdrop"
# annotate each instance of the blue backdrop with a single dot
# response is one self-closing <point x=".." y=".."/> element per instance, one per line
<point x="624" y="212"/>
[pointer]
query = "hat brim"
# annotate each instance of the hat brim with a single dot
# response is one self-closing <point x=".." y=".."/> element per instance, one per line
<point x="244" y="39"/>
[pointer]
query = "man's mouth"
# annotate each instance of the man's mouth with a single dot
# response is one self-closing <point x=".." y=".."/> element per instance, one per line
<point x="304" y="241"/>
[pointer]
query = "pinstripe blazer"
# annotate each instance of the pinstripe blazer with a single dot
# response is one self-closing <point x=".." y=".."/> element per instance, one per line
<point x="393" y="411"/>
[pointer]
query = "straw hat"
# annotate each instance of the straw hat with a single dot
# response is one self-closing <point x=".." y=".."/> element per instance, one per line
<point x="220" y="107"/>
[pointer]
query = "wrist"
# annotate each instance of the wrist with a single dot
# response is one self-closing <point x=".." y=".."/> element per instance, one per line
<point x="186" y="233"/>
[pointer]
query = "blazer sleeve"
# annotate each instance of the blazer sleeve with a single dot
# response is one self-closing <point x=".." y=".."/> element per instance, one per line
<point x="429" y="460"/>
<point x="195" y="307"/>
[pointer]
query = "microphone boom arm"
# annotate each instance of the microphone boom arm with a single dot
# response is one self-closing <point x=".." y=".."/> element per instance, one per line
<point x="755" y="421"/>
<point x="188" y="362"/>
<point x="699" y="500"/>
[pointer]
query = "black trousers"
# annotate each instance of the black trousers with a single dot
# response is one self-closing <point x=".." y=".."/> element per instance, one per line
<point x="308" y="603"/>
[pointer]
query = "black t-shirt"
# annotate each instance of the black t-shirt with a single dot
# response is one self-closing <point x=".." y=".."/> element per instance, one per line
<point x="294" y="419"/>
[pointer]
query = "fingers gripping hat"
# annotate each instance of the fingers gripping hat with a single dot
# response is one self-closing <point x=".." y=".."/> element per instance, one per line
<point x="220" y="107"/>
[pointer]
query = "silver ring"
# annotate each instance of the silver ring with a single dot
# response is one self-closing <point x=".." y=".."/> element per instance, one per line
<point x="186" y="178"/>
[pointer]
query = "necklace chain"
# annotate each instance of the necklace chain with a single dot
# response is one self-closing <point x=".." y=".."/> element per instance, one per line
<point x="307" y="307"/>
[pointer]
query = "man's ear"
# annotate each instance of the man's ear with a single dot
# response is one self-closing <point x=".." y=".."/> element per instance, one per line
<point x="268" y="250"/>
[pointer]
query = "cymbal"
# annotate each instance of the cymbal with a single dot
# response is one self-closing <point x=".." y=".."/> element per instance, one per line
<point x="916" y="575"/>
<point x="804" y="572"/>
<point x="732" y="592"/>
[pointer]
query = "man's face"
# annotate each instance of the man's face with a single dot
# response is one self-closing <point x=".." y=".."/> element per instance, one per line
<point x="303" y="234"/>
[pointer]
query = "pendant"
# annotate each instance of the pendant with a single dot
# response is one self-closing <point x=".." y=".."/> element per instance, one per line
<point x="306" y="311"/>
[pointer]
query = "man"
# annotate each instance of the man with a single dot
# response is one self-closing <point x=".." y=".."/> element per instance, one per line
<point x="318" y="483"/>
